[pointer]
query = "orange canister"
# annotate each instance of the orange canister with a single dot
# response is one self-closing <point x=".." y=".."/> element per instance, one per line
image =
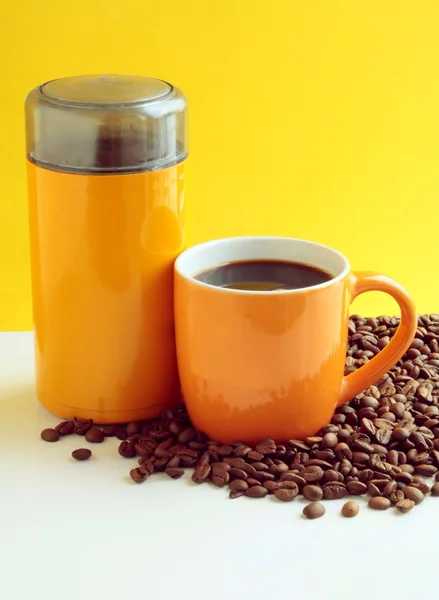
<point x="106" y="162"/>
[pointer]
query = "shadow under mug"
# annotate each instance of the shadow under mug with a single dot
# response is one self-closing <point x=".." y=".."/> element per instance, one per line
<point x="261" y="364"/>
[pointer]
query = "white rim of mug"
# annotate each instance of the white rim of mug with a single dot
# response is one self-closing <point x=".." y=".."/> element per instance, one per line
<point x="254" y="238"/>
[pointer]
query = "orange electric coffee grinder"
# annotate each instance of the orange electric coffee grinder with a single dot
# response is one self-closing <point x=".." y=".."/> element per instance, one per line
<point x="106" y="160"/>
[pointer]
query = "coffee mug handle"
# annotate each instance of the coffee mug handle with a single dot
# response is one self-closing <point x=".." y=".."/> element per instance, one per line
<point x="359" y="380"/>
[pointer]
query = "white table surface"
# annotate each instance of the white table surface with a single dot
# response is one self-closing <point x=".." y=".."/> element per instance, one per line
<point x="84" y="531"/>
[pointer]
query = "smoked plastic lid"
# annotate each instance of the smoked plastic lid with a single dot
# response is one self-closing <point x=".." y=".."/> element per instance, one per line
<point x="106" y="124"/>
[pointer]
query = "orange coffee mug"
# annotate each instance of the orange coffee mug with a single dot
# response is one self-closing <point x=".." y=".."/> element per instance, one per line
<point x="264" y="364"/>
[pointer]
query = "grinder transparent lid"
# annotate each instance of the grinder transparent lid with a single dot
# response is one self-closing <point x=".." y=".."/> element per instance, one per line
<point x="106" y="124"/>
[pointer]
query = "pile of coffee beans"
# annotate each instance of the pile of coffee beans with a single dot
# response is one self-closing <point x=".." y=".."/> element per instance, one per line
<point x="383" y="444"/>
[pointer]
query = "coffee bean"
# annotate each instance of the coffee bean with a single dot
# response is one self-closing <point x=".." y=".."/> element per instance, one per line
<point x="221" y="465"/>
<point x="251" y="482"/>
<point x="314" y="510"/>
<point x="392" y="457"/>
<point x="396" y="496"/>
<point x="298" y="445"/>
<point x="334" y="490"/>
<point x="405" y="506"/>
<point x="241" y="451"/>
<point x="158" y="435"/>
<point x="121" y="433"/>
<point x="313" y="440"/>
<point x="380" y="480"/>
<point x="146" y="427"/>
<point x="161" y="453"/>
<point x="368" y="426"/>
<point x="50" y="435"/>
<point x="331" y="475"/>
<point x="225" y="450"/>
<point x="403" y="478"/>
<point x="414" y="494"/>
<point x="255" y="456"/>
<point x="234" y="495"/>
<point x="109" y="430"/>
<point x="435" y="489"/>
<point x="138" y="475"/>
<point x="369" y="402"/>
<point x="384" y="423"/>
<point x="350" y="509"/>
<point x="345" y="467"/>
<point x="312" y="474"/>
<point x="260" y="466"/>
<point x="219" y="477"/>
<point x="417" y="479"/>
<point x="175" y="428"/>
<point x="312" y="493"/>
<point x="127" y="449"/>
<point x="271" y="486"/>
<point x="213" y="446"/>
<point x="390" y="488"/>
<point x="285" y="494"/>
<point x="238" y="485"/>
<point x="342" y="450"/>
<point x="174" y="472"/>
<point x="201" y="473"/>
<point x="188" y="461"/>
<point x="262" y="476"/>
<point x="81" y="426"/>
<point x="379" y="449"/>
<point x="94" y="436"/>
<point x="278" y="469"/>
<point x="361" y="458"/>
<point x="383" y="467"/>
<point x="289" y="485"/>
<point x="142" y="449"/>
<point x="249" y="469"/>
<point x="256" y="491"/>
<point x="418" y="458"/>
<point x="174" y="462"/>
<point x="188" y="435"/>
<point x="199" y="446"/>
<point x="329" y="440"/>
<point x="362" y="446"/>
<point x="326" y="455"/>
<point x="147" y="467"/>
<point x="132" y="428"/>
<point x="204" y="459"/>
<point x="296" y="465"/>
<point x="81" y="454"/>
<point x="425" y="489"/>
<point x="419" y="441"/>
<point x="290" y="476"/>
<point x="366" y="475"/>
<point x="379" y="503"/>
<point x="160" y="464"/>
<point x="383" y="436"/>
<point x="65" y="428"/>
<point x="356" y="488"/>
<point x="167" y="443"/>
<point x="266" y="447"/>
<point x="425" y="470"/>
<point x="406" y="468"/>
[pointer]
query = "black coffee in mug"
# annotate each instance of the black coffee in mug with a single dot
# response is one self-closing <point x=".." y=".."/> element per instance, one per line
<point x="264" y="275"/>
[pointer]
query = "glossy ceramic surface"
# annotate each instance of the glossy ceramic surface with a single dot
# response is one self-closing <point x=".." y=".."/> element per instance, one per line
<point x="254" y="365"/>
<point x="102" y="254"/>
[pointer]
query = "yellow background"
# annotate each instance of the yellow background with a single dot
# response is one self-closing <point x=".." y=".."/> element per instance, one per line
<point x="309" y="119"/>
